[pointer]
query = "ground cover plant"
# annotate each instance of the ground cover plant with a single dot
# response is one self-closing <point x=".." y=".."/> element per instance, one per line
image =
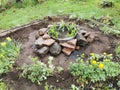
<point x="9" y="51"/>
<point x="98" y="68"/>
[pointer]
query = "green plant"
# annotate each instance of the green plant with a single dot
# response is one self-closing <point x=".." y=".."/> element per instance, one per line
<point x="55" y="30"/>
<point x="96" y="68"/>
<point x="118" y="83"/>
<point x="117" y="50"/>
<point x="106" y="3"/>
<point x="3" y="86"/>
<point x="38" y="71"/>
<point x="73" y="87"/>
<point x="9" y="51"/>
<point x="50" y="87"/>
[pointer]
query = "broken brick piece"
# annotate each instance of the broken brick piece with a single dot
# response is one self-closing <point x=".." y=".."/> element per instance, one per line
<point x="77" y="47"/>
<point x="67" y="51"/>
<point x="46" y="36"/>
<point x="72" y="42"/>
<point x="48" y="42"/>
<point x="65" y="44"/>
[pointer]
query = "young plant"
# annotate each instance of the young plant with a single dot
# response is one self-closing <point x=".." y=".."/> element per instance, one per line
<point x="9" y="51"/>
<point x="38" y="71"/>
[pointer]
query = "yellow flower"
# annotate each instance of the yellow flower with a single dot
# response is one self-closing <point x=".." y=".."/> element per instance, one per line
<point x="93" y="62"/>
<point x="101" y="66"/>
<point x="8" y="39"/>
<point x="105" y="53"/>
<point x="3" y="44"/>
<point x="2" y="56"/>
<point x="92" y="54"/>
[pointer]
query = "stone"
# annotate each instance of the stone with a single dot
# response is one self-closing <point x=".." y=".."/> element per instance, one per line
<point x="67" y="51"/>
<point x="49" y="42"/>
<point x="39" y="42"/>
<point x="42" y="31"/>
<point x="87" y="34"/>
<point x="42" y="51"/>
<point x="81" y="41"/>
<point x="77" y="47"/>
<point x="91" y="37"/>
<point x="49" y="26"/>
<point x="72" y="42"/>
<point x="82" y="31"/>
<point x="37" y="36"/>
<point x="67" y="45"/>
<point x="55" y="49"/>
<point x="46" y="36"/>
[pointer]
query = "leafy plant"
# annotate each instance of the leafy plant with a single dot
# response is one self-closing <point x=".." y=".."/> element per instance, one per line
<point x="38" y="71"/>
<point x="117" y="50"/>
<point x="73" y="87"/>
<point x="9" y="51"/>
<point x="55" y="30"/>
<point x="3" y="86"/>
<point x="96" y="68"/>
<point x="106" y="3"/>
<point x="50" y="87"/>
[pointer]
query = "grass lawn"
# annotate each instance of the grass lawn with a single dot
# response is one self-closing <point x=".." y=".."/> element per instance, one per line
<point x="16" y="17"/>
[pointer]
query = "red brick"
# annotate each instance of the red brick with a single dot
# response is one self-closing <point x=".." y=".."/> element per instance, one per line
<point x="46" y="36"/>
<point x="67" y="51"/>
<point x="65" y="44"/>
<point x="77" y="47"/>
<point x="48" y="42"/>
<point x="72" y="42"/>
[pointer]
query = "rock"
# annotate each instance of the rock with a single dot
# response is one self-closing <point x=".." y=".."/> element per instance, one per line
<point x="49" y="26"/>
<point x="77" y="47"/>
<point x="55" y="49"/>
<point x="37" y="36"/>
<point x="67" y="51"/>
<point x="46" y="36"/>
<point x="81" y="41"/>
<point x="39" y="42"/>
<point x="72" y="42"/>
<point x="42" y="51"/>
<point x="87" y="34"/>
<point x="67" y="45"/>
<point x="42" y="31"/>
<point x="82" y="31"/>
<point x="91" y="37"/>
<point x="49" y="42"/>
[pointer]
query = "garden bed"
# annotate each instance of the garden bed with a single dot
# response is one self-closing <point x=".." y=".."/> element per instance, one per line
<point x="26" y="35"/>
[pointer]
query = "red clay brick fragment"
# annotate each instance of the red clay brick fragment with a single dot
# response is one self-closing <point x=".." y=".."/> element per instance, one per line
<point x="72" y="42"/>
<point x="67" y="51"/>
<point x="48" y="42"/>
<point x="65" y="44"/>
<point x="46" y="36"/>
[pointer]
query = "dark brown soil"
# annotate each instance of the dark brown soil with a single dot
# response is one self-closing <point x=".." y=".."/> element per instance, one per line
<point x="26" y="36"/>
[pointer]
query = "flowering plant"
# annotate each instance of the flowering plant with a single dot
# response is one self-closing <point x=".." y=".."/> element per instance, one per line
<point x="95" y="68"/>
<point x="9" y="50"/>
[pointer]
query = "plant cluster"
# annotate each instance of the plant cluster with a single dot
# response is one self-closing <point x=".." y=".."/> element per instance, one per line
<point x="97" y="68"/>
<point x="3" y="86"/>
<point x="106" y="3"/>
<point x="55" y="30"/>
<point x="117" y="50"/>
<point x="9" y="51"/>
<point x="38" y="71"/>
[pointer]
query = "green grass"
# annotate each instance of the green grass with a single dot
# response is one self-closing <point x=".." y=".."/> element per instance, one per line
<point x="16" y="17"/>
